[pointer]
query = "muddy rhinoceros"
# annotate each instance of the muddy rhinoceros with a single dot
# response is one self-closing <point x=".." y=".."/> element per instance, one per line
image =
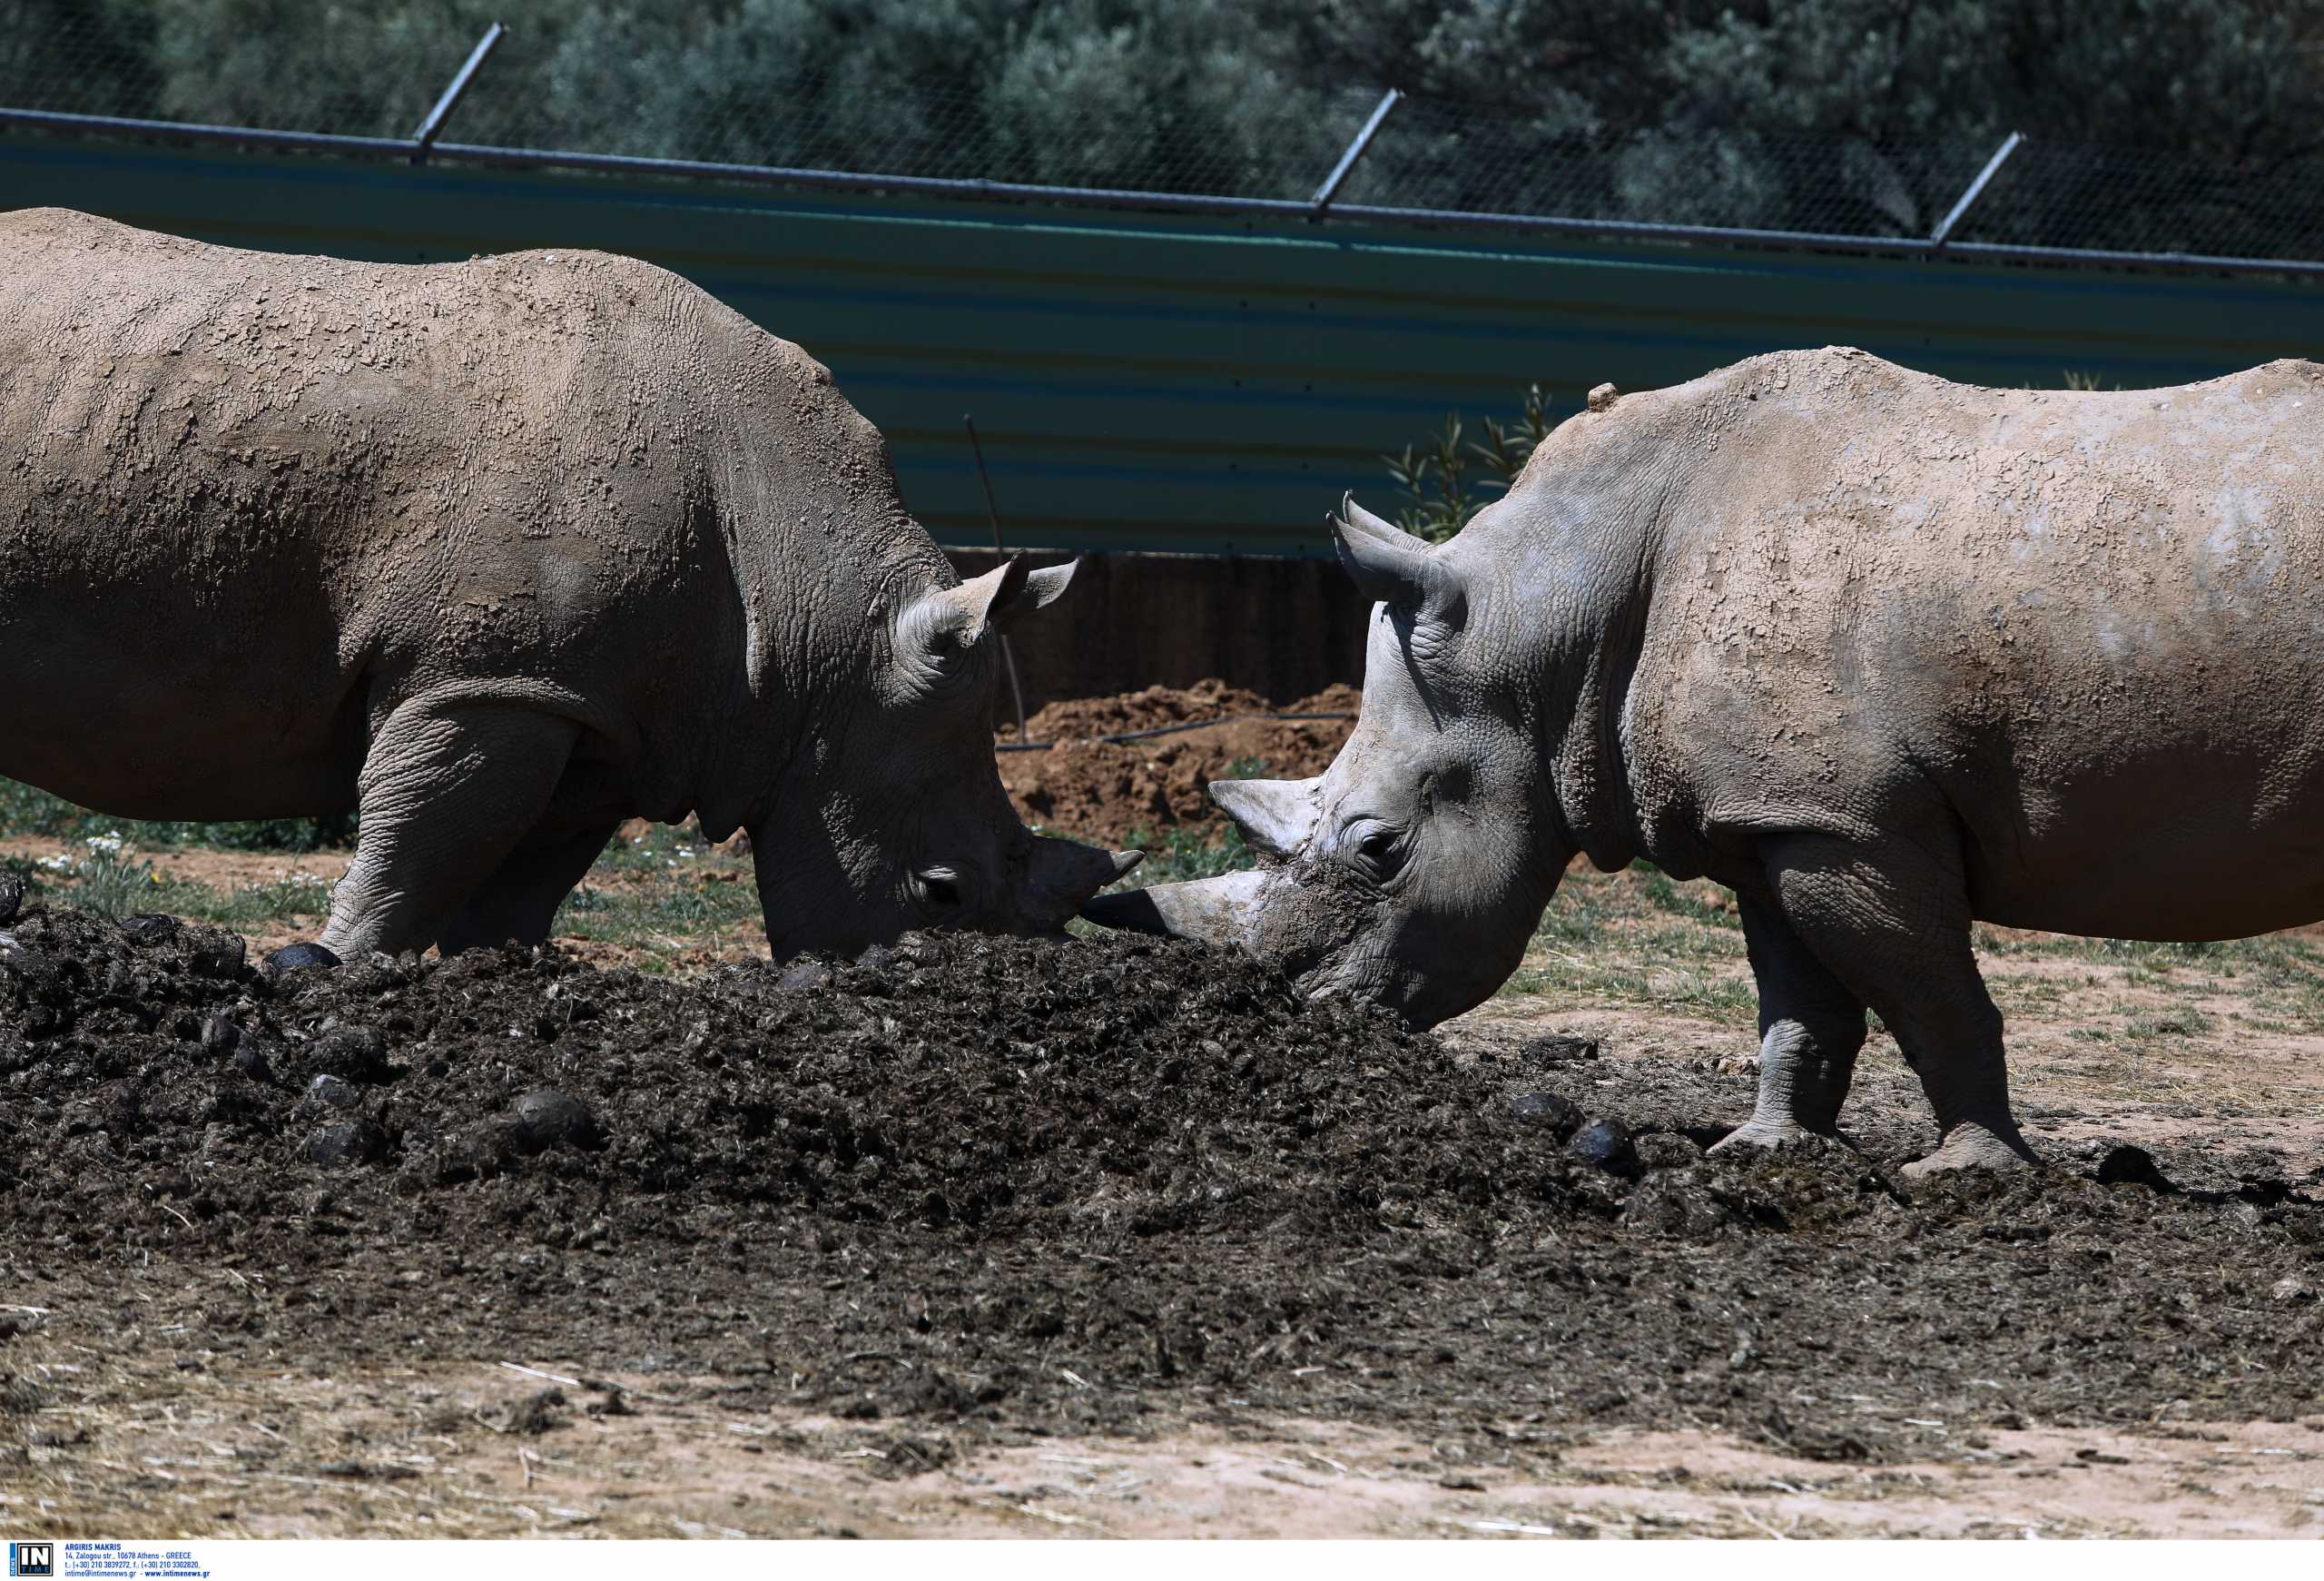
<point x="499" y="553"/>
<point x="1881" y="653"/>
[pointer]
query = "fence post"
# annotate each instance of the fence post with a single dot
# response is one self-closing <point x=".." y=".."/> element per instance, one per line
<point x="1944" y="226"/>
<point x="1325" y="193"/>
<point x="1008" y="655"/>
<point x="425" y="138"/>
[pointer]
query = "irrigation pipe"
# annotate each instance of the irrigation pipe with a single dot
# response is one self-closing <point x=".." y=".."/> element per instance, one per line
<point x="1161" y="730"/>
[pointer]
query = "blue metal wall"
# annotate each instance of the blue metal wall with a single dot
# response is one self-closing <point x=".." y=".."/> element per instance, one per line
<point x="1196" y="385"/>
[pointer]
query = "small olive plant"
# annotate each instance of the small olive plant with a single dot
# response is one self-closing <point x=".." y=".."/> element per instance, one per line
<point x="1446" y="483"/>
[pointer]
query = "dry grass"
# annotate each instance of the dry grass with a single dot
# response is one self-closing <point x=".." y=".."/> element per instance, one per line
<point x="2132" y="1036"/>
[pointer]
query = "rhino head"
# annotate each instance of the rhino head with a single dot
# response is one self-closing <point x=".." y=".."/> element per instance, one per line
<point x="896" y="818"/>
<point x="1413" y="871"/>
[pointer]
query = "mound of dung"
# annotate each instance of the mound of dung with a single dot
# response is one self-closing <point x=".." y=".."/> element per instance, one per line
<point x="1071" y="1185"/>
<point x="992" y="1083"/>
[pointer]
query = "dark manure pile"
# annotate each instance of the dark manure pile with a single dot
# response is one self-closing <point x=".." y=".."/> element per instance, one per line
<point x="1098" y="1185"/>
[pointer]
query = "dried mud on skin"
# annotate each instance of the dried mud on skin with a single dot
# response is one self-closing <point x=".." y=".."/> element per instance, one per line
<point x="1107" y="1186"/>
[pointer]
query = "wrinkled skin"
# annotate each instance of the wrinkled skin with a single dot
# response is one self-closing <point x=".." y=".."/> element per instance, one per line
<point x="499" y="555"/>
<point x="1883" y="654"/>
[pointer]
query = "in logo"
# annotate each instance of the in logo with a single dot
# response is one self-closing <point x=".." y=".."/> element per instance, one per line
<point x="31" y="1558"/>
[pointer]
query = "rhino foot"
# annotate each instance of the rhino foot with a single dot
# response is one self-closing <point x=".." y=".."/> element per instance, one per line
<point x="1770" y="1135"/>
<point x="1971" y="1146"/>
<point x="292" y="957"/>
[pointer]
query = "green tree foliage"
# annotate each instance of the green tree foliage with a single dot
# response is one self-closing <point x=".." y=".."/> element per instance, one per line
<point x="1855" y="116"/>
<point x="1448" y="479"/>
<point x="1163" y="94"/>
<point x="87" y="56"/>
<point x="1864" y="116"/>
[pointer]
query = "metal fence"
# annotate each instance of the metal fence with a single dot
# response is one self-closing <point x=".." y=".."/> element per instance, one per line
<point x="606" y="93"/>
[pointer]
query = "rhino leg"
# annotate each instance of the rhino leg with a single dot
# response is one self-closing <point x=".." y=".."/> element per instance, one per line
<point x="1810" y="1028"/>
<point x="449" y="789"/>
<point x="1892" y="922"/>
<point x="519" y="901"/>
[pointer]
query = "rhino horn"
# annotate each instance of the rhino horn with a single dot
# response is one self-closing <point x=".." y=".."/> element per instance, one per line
<point x="1063" y="874"/>
<point x="1354" y="516"/>
<point x="1217" y="911"/>
<point x="1274" y="815"/>
<point x="1390" y="565"/>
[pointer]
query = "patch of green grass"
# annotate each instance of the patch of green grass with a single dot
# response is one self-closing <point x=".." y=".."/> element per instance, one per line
<point x="24" y="810"/>
<point x="1662" y="986"/>
<point x="1245" y="768"/>
<point x="650" y="890"/>
<point x="1187" y="852"/>
<point x="661" y="910"/>
<point x="2178" y="1023"/>
<point x="105" y="882"/>
<point x="661" y="848"/>
<point x="250" y="907"/>
<point x="1698" y="900"/>
<point x="2150" y="953"/>
<point x="111" y="882"/>
<point x="1639" y="937"/>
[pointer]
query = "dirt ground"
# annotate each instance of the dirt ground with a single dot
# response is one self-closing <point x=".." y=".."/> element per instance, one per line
<point x="1116" y="1237"/>
<point x="1142" y="792"/>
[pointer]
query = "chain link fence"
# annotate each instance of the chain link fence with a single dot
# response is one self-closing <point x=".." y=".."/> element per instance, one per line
<point x="617" y="82"/>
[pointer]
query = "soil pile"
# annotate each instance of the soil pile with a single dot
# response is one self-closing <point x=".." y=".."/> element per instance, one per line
<point x="1076" y="1185"/>
<point x="1114" y="790"/>
<point x="1078" y="719"/>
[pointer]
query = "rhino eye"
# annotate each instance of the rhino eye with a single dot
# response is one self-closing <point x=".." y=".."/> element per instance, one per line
<point x="937" y="889"/>
<point x="1381" y="853"/>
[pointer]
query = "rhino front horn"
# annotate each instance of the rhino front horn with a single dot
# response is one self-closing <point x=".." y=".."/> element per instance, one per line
<point x="1217" y="911"/>
<point x="1063" y="874"/>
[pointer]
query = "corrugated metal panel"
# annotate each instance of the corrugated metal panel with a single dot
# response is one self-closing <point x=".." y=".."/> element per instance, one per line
<point x="1192" y="385"/>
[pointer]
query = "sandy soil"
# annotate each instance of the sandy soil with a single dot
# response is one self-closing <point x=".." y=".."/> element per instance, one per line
<point x="440" y="1449"/>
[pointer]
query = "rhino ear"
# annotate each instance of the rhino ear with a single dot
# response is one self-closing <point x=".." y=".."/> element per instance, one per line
<point x="1274" y="815"/>
<point x="1390" y="565"/>
<point x="1042" y="589"/>
<point x="955" y="619"/>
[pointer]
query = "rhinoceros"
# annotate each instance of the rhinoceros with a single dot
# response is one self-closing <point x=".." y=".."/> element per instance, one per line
<point x="499" y="555"/>
<point x="1881" y="653"/>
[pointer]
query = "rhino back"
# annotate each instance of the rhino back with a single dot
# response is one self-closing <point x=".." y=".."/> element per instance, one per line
<point x="2082" y="627"/>
<point x="281" y="492"/>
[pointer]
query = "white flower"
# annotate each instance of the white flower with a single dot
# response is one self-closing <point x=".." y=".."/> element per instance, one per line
<point x="103" y="845"/>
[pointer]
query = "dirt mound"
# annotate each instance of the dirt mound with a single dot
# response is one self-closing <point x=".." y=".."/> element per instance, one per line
<point x="1112" y="791"/>
<point x="1121" y="791"/>
<point x="1158" y="708"/>
<point x="1339" y="697"/>
<point x="1077" y="719"/>
<point x="1076" y="1185"/>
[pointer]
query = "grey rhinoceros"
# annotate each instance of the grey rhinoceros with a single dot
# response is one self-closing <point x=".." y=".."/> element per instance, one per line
<point x="1881" y="653"/>
<point x="499" y="553"/>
